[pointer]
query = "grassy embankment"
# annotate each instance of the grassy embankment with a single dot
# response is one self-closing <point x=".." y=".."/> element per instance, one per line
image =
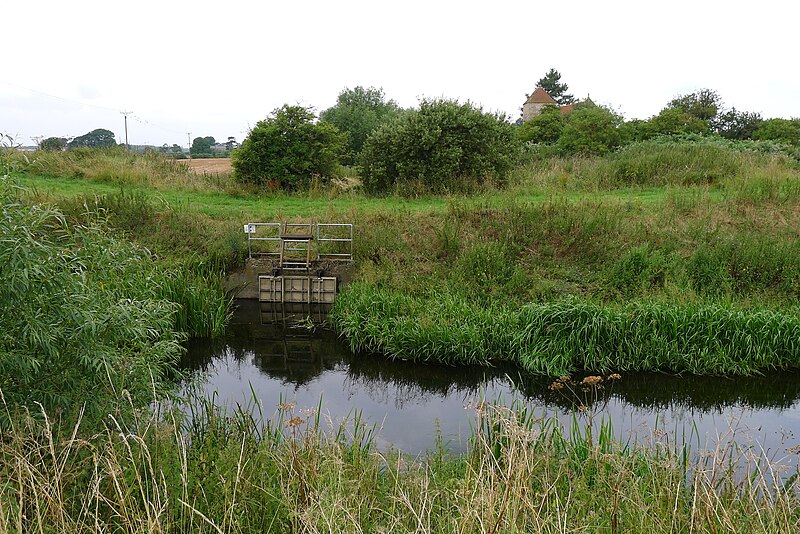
<point x="670" y="256"/>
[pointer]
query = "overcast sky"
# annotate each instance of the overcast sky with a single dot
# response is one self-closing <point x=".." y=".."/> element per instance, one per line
<point x="216" y="68"/>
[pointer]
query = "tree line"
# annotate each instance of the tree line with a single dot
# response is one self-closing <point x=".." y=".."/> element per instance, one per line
<point x="443" y="143"/>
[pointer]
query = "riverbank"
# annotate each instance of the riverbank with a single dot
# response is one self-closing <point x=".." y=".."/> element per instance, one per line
<point x="693" y="242"/>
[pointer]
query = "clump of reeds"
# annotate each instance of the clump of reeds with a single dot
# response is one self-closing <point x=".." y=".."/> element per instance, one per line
<point x="555" y="338"/>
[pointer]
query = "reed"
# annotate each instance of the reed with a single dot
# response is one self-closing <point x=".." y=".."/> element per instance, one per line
<point x="230" y="470"/>
<point x="559" y="337"/>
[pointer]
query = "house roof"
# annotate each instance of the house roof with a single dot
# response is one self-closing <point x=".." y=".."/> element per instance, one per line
<point x="540" y="96"/>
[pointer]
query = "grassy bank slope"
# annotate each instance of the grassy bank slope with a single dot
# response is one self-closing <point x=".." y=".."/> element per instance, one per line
<point x="694" y="231"/>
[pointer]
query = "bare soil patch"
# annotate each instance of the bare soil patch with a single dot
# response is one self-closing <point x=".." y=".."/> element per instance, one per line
<point x="210" y="165"/>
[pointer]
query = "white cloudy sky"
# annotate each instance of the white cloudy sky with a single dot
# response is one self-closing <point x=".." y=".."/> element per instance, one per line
<point x="215" y="68"/>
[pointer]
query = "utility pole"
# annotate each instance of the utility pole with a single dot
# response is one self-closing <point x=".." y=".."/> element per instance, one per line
<point x="189" y="137"/>
<point x="125" y="114"/>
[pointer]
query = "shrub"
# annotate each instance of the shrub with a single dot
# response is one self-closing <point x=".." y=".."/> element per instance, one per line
<point x="676" y="121"/>
<point x="543" y="128"/>
<point x="783" y="130"/>
<point x="88" y="320"/>
<point x="443" y="145"/>
<point x="288" y="149"/>
<point x="590" y="130"/>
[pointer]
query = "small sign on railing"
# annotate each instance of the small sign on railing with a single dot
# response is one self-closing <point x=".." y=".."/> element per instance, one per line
<point x="249" y="228"/>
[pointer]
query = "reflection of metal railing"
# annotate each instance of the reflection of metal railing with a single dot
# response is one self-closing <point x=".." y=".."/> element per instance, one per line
<point x="297" y="245"/>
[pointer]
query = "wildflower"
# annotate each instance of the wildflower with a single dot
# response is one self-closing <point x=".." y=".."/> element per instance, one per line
<point x="556" y="386"/>
<point x="286" y="406"/>
<point x="614" y="376"/>
<point x="295" y="421"/>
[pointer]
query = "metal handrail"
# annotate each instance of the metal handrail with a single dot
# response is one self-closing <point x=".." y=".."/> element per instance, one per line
<point x="343" y="256"/>
<point x="281" y="235"/>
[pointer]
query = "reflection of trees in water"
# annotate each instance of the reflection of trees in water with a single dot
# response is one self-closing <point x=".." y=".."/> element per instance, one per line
<point x="380" y="377"/>
<point x="658" y="392"/>
<point x="292" y="355"/>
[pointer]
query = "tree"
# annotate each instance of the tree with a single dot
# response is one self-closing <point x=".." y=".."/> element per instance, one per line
<point x="98" y="138"/>
<point x="675" y="120"/>
<point x="783" y="130"/>
<point x="440" y="145"/>
<point x="288" y="148"/>
<point x="202" y="145"/>
<point x="703" y="104"/>
<point x="590" y="130"/>
<point x="551" y="83"/>
<point x="231" y="144"/>
<point x="733" y="124"/>
<point x="53" y="144"/>
<point x="543" y="128"/>
<point x="358" y="112"/>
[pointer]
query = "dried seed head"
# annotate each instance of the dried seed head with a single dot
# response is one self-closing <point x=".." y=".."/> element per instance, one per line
<point x="295" y="421"/>
<point x="591" y="380"/>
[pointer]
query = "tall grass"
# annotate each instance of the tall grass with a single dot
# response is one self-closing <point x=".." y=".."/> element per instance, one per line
<point x="88" y="318"/>
<point x="299" y="472"/>
<point x="555" y="338"/>
<point x="118" y="166"/>
<point x="679" y="161"/>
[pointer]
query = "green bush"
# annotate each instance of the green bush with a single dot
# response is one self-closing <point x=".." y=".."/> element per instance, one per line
<point x="543" y="128"/>
<point x="443" y="146"/>
<point x="590" y="130"/>
<point x="88" y="320"/>
<point x="288" y="149"/>
<point x="782" y="130"/>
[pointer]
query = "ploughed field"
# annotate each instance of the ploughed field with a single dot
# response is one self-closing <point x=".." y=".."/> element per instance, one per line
<point x="208" y="165"/>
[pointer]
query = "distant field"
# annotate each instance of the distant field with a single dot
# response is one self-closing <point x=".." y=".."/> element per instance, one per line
<point x="215" y="165"/>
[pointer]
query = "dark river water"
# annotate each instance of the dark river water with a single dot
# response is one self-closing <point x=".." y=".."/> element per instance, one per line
<point x="280" y="359"/>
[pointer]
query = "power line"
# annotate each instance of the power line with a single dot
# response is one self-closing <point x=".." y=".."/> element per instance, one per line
<point x="72" y="101"/>
<point x="48" y="95"/>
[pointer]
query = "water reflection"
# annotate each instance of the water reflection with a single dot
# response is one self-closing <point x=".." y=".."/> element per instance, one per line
<point x="285" y="356"/>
